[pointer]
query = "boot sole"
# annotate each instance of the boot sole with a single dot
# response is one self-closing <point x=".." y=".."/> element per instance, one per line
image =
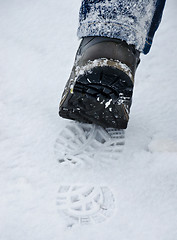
<point x="101" y="96"/>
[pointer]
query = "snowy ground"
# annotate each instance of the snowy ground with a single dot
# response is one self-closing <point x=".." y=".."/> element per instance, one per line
<point x="37" y="47"/>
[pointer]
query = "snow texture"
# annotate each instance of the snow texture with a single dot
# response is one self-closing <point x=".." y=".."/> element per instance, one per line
<point x="136" y="193"/>
<point x="81" y="144"/>
<point x="126" y="20"/>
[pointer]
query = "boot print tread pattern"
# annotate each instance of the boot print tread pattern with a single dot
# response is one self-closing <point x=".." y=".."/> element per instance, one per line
<point x="86" y="204"/>
<point x="79" y="143"/>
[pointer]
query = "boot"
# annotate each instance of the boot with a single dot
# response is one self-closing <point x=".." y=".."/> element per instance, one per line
<point x="100" y="87"/>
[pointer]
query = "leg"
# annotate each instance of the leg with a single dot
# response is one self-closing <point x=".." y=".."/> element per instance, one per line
<point x="154" y="24"/>
<point x="100" y="87"/>
<point x="133" y="21"/>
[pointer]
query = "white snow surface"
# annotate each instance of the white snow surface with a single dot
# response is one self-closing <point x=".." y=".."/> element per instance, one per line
<point x="37" y="47"/>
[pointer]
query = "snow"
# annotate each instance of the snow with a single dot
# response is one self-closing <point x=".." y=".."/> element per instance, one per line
<point x="108" y="103"/>
<point x="37" y="47"/>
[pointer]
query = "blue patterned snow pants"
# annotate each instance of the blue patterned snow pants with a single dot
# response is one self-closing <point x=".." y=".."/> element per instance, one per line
<point x="134" y="21"/>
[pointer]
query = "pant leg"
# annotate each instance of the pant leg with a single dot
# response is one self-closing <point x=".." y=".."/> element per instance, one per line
<point x="154" y="24"/>
<point x="134" y="21"/>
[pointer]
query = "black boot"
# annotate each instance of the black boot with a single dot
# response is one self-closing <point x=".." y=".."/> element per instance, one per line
<point x="100" y="86"/>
